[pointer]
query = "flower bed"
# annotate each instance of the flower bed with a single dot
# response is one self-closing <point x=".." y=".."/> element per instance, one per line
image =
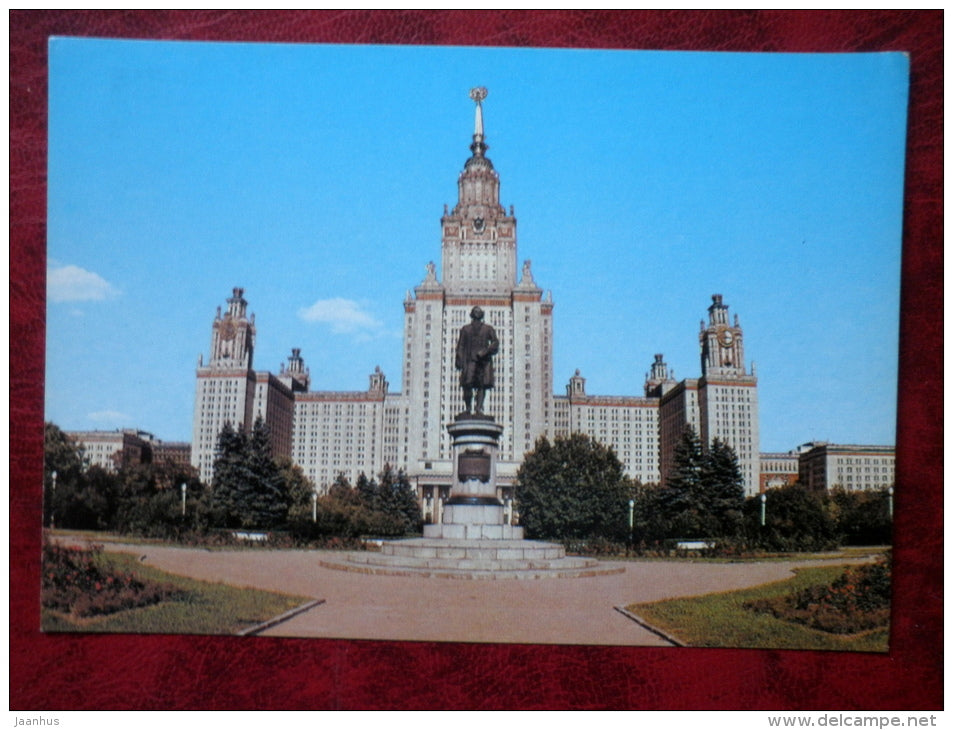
<point x="857" y="601"/>
<point x="76" y="581"/>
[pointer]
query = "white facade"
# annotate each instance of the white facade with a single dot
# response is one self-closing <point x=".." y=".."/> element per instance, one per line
<point x="629" y="424"/>
<point x="341" y="432"/>
<point x="823" y="466"/>
<point x="111" y="449"/>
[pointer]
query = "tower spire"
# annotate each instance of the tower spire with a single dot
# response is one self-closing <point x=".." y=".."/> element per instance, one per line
<point x="479" y="186"/>
<point x="478" y="94"/>
<point x="479" y="239"/>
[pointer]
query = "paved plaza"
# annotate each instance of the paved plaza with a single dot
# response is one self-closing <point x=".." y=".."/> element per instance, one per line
<point x="411" y="608"/>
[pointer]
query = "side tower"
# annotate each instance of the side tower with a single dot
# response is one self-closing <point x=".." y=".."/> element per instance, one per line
<point x="728" y="393"/>
<point x="225" y="387"/>
<point x="659" y="380"/>
<point x="478" y="268"/>
<point x="722" y="351"/>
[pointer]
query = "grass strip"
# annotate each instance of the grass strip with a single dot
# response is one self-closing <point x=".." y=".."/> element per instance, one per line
<point x="719" y="619"/>
<point x="208" y="608"/>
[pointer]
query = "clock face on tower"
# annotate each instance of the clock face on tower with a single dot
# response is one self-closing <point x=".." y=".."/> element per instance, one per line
<point x="228" y="330"/>
<point x="726" y="337"/>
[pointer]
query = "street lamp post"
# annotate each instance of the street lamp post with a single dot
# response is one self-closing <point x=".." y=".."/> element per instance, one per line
<point x="314" y="506"/>
<point x="632" y="522"/>
<point x="764" y="500"/>
<point x="889" y="502"/>
<point x="52" y="502"/>
<point x="184" y="490"/>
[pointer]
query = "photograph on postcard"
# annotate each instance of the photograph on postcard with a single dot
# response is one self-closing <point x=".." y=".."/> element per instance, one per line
<point x="399" y="343"/>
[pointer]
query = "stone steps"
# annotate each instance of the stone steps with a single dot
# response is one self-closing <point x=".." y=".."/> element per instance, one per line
<point x="471" y="560"/>
<point x="408" y="572"/>
<point x="465" y="564"/>
<point x="446" y="531"/>
<point x="474" y="549"/>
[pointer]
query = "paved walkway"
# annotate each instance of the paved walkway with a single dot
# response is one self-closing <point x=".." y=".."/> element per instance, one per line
<point x="546" y="611"/>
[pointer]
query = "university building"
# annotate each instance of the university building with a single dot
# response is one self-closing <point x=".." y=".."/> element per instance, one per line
<point x="333" y="432"/>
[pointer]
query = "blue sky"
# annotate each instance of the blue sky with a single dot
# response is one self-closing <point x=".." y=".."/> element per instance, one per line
<point x="315" y="177"/>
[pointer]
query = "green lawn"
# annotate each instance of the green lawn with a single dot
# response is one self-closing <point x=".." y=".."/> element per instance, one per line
<point x="210" y="608"/>
<point x="719" y="620"/>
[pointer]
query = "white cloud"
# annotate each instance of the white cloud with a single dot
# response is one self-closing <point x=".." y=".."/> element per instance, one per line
<point x="344" y="315"/>
<point x="109" y="416"/>
<point x="73" y="284"/>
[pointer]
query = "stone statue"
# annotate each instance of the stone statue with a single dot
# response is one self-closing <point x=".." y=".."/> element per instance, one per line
<point x="475" y="349"/>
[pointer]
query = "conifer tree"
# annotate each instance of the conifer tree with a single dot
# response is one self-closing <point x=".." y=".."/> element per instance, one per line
<point x="682" y="500"/>
<point x="390" y="505"/>
<point x="724" y="489"/>
<point x="247" y="485"/>
<point x="704" y="494"/>
<point x="368" y="491"/>
<point x="230" y="473"/>
<point x="342" y="490"/>
<point x="268" y="493"/>
<point x="399" y="498"/>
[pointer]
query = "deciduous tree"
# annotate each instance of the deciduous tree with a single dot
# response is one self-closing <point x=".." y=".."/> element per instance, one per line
<point x="300" y="489"/>
<point x="863" y="518"/>
<point x="573" y="489"/>
<point x="64" y="457"/>
<point x="795" y="519"/>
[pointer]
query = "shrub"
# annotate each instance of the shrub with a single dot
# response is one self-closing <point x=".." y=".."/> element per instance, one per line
<point x="797" y="520"/>
<point x="596" y="547"/>
<point x="862" y="517"/>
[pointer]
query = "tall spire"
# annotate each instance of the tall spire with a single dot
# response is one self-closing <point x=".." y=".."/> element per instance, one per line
<point x="479" y="186"/>
<point x="479" y="239"/>
<point x="478" y="94"/>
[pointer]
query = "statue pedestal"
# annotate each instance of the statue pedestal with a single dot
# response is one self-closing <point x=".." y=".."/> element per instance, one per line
<point x="474" y="511"/>
<point x="472" y="542"/>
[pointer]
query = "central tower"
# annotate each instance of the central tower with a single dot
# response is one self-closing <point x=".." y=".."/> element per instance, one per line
<point x="478" y="268"/>
<point x="479" y="239"/>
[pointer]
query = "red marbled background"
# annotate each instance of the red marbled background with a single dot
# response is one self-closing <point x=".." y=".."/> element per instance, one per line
<point x="61" y="672"/>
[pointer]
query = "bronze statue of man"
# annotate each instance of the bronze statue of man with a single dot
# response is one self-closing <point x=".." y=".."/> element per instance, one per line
<point x="475" y="349"/>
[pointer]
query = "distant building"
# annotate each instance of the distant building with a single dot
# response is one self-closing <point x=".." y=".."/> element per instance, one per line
<point x="823" y="466"/>
<point x="178" y="453"/>
<point x="330" y="432"/>
<point x="112" y="450"/>
<point x="778" y="469"/>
